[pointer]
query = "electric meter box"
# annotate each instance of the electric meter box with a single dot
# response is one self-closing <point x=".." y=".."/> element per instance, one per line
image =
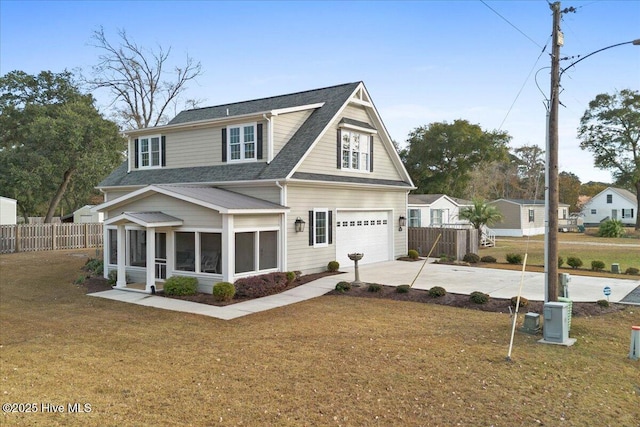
<point x="556" y="322"/>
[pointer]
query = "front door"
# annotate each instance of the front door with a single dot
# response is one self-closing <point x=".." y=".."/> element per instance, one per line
<point x="614" y="213"/>
<point x="161" y="256"/>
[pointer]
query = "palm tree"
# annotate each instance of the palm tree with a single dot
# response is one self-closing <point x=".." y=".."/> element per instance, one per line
<point x="480" y="214"/>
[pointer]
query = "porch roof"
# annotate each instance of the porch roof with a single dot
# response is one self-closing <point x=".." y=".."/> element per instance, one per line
<point x="145" y="219"/>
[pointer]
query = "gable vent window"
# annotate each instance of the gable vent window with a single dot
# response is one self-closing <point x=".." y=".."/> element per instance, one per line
<point x="356" y="150"/>
<point x="243" y="142"/>
<point x="150" y="152"/>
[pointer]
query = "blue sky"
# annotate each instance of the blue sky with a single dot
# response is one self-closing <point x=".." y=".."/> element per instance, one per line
<point x="422" y="61"/>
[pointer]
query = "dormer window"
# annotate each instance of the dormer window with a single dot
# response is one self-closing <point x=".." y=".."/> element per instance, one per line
<point x="242" y="142"/>
<point x="150" y="152"/>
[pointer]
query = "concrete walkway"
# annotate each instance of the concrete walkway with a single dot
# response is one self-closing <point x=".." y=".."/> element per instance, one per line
<point x="455" y="279"/>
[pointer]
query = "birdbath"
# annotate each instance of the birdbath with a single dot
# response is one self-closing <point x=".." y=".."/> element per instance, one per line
<point x="355" y="257"/>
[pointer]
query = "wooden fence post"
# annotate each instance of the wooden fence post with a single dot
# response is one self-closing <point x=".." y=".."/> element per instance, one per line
<point x="53" y="236"/>
<point x="18" y="245"/>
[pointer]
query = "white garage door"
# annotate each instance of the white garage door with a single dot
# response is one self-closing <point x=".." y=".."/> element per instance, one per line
<point x="366" y="232"/>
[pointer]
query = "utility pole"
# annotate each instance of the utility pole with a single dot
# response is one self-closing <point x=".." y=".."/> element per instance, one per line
<point x="551" y="257"/>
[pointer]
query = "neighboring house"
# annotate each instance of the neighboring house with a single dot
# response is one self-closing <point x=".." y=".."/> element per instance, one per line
<point x="8" y="211"/>
<point x="524" y="217"/>
<point x="286" y="183"/>
<point x="86" y="215"/>
<point x="611" y="203"/>
<point x="435" y="210"/>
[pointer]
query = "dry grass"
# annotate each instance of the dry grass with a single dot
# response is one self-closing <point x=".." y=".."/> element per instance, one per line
<point x="328" y="361"/>
<point x="624" y="251"/>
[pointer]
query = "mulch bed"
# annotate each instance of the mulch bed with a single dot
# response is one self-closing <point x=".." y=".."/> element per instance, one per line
<point x="497" y="305"/>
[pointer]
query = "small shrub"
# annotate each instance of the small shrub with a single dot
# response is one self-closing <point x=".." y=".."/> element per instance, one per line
<point x="180" y="285"/>
<point x="488" y="258"/>
<point x="343" y="287"/>
<point x="437" y="291"/>
<point x="291" y="276"/>
<point x="261" y="286"/>
<point x="560" y="261"/>
<point x="374" y="287"/>
<point x="632" y="271"/>
<point x="597" y="265"/>
<point x="413" y="254"/>
<point x="514" y="258"/>
<point x="333" y="266"/>
<point x="574" y="262"/>
<point x="80" y="280"/>
<point x="403" y="289"/>
<point x="223" y="291"/>
<point x="479" y="297"/>
<point x="112" y="277"/>
<point x="471" y="258"/>
<point x="611" y="228"/>
<point x="603" y="303"/>
<point x="523" y="302"/>
<point x="94" y="266"/>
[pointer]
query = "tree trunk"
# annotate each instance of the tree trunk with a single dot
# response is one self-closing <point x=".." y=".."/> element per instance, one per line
<point x="66" y="178"/>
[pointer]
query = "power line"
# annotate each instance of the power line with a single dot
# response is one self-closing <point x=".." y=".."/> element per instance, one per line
<point x="508" y="22"/>
<point x="522" y="87"/>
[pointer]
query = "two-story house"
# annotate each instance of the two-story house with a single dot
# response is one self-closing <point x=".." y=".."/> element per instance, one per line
<point x="611" y="203"/>
<point x="284" y="183"/>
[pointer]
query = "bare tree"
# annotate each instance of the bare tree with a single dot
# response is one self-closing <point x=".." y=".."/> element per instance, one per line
<point x="137" y="79"/>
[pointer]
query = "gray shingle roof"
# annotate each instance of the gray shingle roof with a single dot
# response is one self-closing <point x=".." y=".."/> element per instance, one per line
<point x="333" y="98"/>
<point x="223" y="198"/>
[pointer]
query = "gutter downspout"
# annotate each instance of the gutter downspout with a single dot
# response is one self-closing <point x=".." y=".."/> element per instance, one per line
<point x="283" y="226"/>
<point x="269" y="139"/>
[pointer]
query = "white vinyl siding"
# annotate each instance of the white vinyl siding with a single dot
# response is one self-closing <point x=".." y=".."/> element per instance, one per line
<point x="192" y="215"/>
<point x="192" y="148"/>
<point x="322" y="159"/>
<point x="308" y="259"/>
<point x="285" y="126"/>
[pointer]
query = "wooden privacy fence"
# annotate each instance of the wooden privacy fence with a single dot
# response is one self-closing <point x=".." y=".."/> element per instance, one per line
<point x="454" y="241"/>
<point x="47" y="237"/>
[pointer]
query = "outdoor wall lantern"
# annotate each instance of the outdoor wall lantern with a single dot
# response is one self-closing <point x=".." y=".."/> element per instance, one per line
<point x="402" y="221"/>
<point x="299" y="225"/>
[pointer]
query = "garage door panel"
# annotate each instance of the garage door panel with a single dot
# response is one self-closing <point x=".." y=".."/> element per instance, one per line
<point x="364" y="232"/>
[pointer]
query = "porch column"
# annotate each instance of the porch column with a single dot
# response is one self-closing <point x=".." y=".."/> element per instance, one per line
<point x="122" y="248"/>
<point x="151" y="259"/>
<point x="228" y="264"/>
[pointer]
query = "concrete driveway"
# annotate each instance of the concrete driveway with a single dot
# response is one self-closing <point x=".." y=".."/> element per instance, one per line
<point x="496" y="283"/>
<point x="455" y="279"/>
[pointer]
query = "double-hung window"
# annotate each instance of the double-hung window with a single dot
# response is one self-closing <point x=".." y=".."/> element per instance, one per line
<point x="414" y="217"/>
<point x="532" y="215"/>
<point x="355" y="151"/>
<point x="149" y="152"/>
<point x="627" y="213"/>
<point x="609" y="198"/>
<point x="242" y="142"/>
<point x="320" y="227"/>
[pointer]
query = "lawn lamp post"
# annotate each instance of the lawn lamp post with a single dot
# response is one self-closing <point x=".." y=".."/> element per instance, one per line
<point x="551" y="169"/>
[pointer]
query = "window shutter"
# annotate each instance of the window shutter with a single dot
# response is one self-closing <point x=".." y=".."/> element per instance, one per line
<point x="339" y="149"/>
<point x="135" y="144"/>
<point x="163" y="151"/>
<point x="259" y="141"/>
<point x="224" y="144"/>
<point x="330" y="230"/>
<point x="311" y="230"/>
<point x="371" y="154"/>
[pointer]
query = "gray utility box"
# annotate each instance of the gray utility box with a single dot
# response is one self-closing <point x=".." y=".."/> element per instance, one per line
<point x="563" y="284"/>
<point x="556" y="322"/>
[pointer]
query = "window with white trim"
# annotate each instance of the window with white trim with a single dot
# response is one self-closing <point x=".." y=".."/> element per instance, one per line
<point x="594" y="211"/>
<point x="414" y="218"/>
<point x="242" y="142"/>
<point x="627" y="213"/>
<point x="355" y="151"/>
<point x="532" y="215"/>
<point x="609" y="198"/>
<point x="150" y="152"/>
<point x="320" y="227"/>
